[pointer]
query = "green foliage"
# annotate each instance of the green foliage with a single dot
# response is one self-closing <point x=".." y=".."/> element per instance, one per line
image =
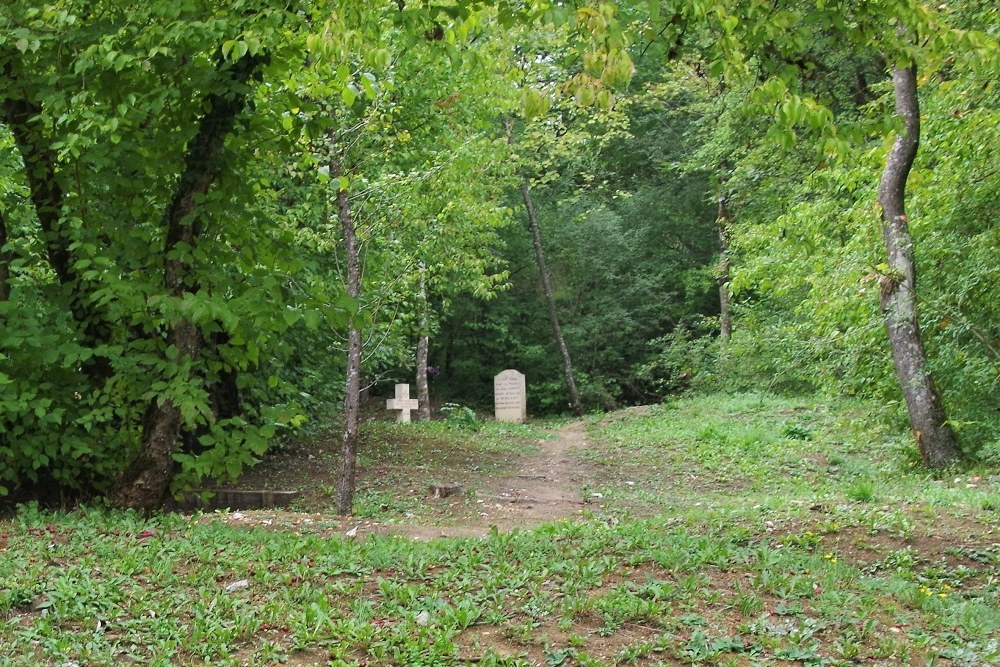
<point x="116" y="99"/>
<point x="806" y="281"/>
<point x="686" y="358"/>
<point x="460" y="417"/>
<point x="629" y="247"/>
<point x="637" y="117"/>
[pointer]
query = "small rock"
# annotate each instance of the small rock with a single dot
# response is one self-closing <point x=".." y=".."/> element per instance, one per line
<point x="237" y="585"/>
<point x="423" y="618"/>
<point x="597" y="495"/>
<point x="353" y="532"/>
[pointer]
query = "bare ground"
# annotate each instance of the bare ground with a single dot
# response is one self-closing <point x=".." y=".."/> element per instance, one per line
<point x="546" y="485"/>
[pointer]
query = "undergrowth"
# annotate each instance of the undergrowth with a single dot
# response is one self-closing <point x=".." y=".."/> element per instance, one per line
<point x="735" y="530"/>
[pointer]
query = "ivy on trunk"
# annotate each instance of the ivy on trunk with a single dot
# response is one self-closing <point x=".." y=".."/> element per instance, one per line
<point x="147" y="479"/>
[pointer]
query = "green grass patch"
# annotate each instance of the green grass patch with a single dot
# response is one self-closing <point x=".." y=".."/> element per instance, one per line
<point x="773" y="533"/>
<point x="727" y="450"/>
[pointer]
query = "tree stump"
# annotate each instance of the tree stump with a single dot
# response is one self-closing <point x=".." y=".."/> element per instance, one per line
<point x="444" y="490"/>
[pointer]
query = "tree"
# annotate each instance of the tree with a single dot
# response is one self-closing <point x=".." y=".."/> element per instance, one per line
<point x="124" y="167"/>
<point x="550" y="304"/>
<point x="899" y="286"/>
<point x="352" y="407"/>
<point x="725" y="314"/>
<point x="780" y="47"/>
<point x="144" y="484"/>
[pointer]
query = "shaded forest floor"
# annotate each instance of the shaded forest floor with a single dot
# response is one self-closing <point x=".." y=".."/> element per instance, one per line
<point x="508" y="476"/>
<point x="718" y="530"/>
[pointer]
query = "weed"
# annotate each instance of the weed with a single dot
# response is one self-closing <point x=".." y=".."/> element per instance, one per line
<point x="796" y="431"/>
<point x="862" y="491"/>
<point x="749" y="604"/>
<point x="460" y="417"/>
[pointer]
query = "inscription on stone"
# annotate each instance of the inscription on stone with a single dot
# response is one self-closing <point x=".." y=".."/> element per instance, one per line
<point x="510" y="397"/>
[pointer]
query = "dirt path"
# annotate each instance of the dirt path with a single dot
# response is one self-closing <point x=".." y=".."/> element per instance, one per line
<point x="547" y="485"/>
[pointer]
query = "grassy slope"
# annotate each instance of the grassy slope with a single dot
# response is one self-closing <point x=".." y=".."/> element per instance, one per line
<point x="740" y="530"/>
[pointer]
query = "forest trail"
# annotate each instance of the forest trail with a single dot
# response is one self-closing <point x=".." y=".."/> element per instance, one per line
<point x="549" y="484"/>
<point x="546" y="485"/>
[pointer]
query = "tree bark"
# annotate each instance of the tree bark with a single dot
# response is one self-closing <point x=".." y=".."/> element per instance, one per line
<point x="147" y="479"/>
<point x="898" y="297"/>
<point x="550" y="302"/>
<point x="47" y="196"/>
<point x="423" y="345"/>
<point x="4" y="261"/>
<point x="352" y="390"/>
<point x="45" y="192"/>
<point x="725" y="316"/>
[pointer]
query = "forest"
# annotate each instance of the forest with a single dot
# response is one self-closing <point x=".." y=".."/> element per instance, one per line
<point x="223" y="223"/>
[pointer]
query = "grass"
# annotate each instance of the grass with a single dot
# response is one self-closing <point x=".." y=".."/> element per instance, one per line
<point x="755" y="531"/>
<point x="722" y="449"/>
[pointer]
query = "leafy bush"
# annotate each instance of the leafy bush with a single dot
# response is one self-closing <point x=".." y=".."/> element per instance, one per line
<point x="685" y="358"/>
<point x="460" y="417"/>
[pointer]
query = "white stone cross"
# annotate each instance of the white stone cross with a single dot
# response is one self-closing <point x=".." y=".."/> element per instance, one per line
<point x="403" y="403"/>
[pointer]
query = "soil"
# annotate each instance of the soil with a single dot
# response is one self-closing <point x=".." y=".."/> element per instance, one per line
<point x="544" y="486"/>
<point x="548" y="485"/>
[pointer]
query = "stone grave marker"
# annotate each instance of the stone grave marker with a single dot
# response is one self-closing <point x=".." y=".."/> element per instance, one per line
<point x="233" y="499"/>
<point x="510" y="397"/>
<point x="403" y="403"/>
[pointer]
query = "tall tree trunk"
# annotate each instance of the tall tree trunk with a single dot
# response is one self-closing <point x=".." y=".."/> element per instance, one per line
<point x="423" y="345"/>
<point x="144" y="484"/>
<point x="45" y="192"/>
<point x="725" y="316"/>
<point x="935" y="438"/>
<point x="4" y="261"/>
<point x="550" y="302"/>
<point x="352" y="391"/>
<point x="20" y="115"/>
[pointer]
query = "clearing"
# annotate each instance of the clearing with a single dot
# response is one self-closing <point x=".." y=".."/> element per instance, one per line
<point x="734" y="530"/>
